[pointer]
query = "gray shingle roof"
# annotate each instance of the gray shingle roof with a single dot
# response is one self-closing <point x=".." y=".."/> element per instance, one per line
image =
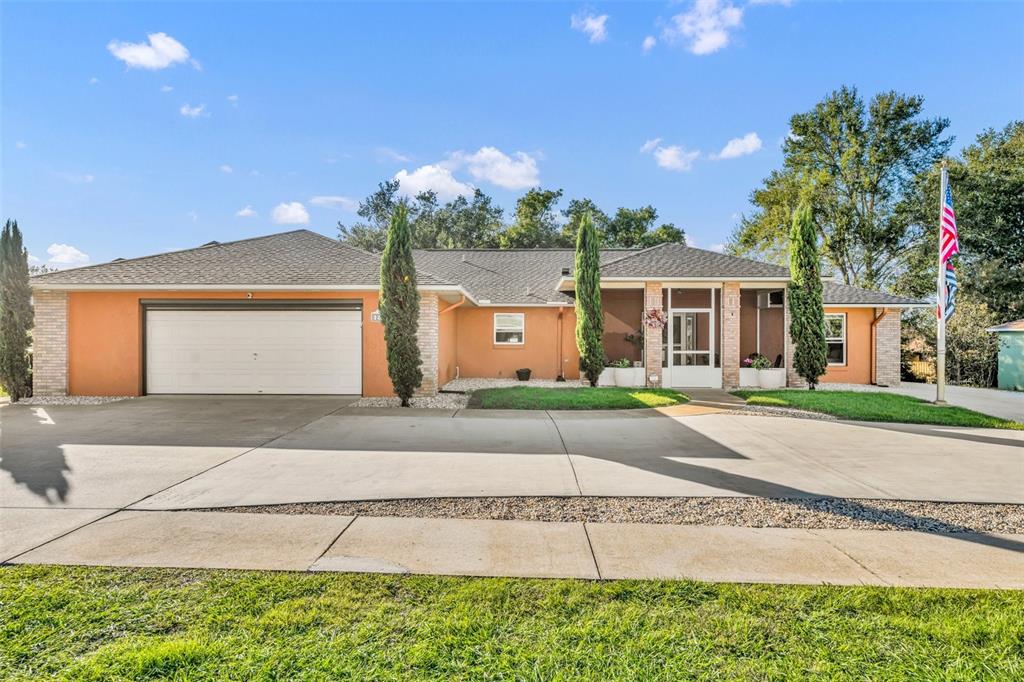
<point x="678" y="260"/>
<point x="836" y="294"/>
<point x="297" y="258"/>
<point x="520" y="276"/>
<point x="511" y="277"/>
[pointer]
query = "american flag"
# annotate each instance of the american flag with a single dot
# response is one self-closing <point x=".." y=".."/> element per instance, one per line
<point x="950" y="291"/>
<point x="949" y="242"/>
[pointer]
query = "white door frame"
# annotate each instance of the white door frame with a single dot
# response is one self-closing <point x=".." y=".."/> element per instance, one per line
<point x="679" y="376"/>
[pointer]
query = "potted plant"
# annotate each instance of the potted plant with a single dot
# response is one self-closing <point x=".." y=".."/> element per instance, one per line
<point x="767" y="376"/>
<point x="523" y="374"/>
<point x="623" y="372"/>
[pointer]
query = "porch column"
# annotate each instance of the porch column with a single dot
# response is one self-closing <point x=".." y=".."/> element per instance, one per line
<point x="730" y="334"/>
<point x="652" y="338"/>
<point x="50" y="343"/>
<point x="887" y="348"/>
<point x="427" y="339"/>
<point x="793" y="380"/>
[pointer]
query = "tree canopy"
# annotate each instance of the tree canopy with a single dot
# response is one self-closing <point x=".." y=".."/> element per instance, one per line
<point x="859" y="163"/>
<point x="477" y="222"/>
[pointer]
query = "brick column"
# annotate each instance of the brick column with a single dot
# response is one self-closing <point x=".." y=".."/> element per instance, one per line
<point x="730" y="334"/>
<point x="652" y="337"/>
<point x="793" y="379"/>
<point x="887" y="348"/>
<point x="50" y="343"/>
<point x="427" y="339"/>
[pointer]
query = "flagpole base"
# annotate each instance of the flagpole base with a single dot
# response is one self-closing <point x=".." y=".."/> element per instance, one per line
<point x="939" y="402"/>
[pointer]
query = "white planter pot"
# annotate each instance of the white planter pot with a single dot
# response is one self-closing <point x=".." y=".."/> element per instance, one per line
<point x="623" y="376"/>
<point x="771" y="378"/>
<point x="607" y="377"/>
<point x="748" y="377"/>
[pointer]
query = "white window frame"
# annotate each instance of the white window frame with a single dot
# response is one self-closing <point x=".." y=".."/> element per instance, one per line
<point x="837" y="339"/>
<point x="521" y="330"/>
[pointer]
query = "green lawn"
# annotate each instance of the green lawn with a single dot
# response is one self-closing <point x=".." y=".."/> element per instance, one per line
<point x="875" y="407"/>
<point x="587" y="398"/>
<point x="144" y="624"/>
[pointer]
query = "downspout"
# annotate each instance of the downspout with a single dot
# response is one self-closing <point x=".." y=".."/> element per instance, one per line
<point x="558" y="347"/>
<point x="874" y="350"/>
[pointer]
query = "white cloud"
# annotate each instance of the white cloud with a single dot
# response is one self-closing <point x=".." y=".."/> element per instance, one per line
<point x="32" y="260"/>
<point x="166" y="88"/>
<point x="254" y="172"/>
<point x="740" y="146"/>
<point x="650" y="145"/>
<point x="293" y="213"/>
<point x="673" y="157"/>
<point x="342" y="203"/>
<point x="193" y="216"/>
<point x="433" y="177"/>
<point x="717" y="248"/>
<point x="193" y="112"/>
<point x="65" y="254"/>
<point x="160" y="52"/>
<point x="20" y="145"/>
<point x="389" y="154"/>
<point x="705" y="27"/>
<point x="784" y="3"/>
<point x="233" y="99"/>
<point x="592" y="25"/>
<point x="689" y="240"/>
<point x="225" y="168"/>
<point x="94" y="80"/>
<point x="492" y="165"/>
<point x="246" y="212"/>
<point x="649" y="43"/>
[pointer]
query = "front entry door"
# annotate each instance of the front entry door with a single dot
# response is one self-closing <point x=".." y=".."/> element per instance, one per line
<point x="690" y="356"/>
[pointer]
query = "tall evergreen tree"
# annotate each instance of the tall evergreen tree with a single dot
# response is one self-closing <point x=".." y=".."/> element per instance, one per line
<point x="15" y="313"/>
<point x="589" y="316"/>
<point x="400" y="307"/>
<point x="807" y="314"/>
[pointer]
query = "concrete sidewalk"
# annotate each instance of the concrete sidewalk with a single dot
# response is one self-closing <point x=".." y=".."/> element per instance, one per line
<point x="519" y="548"/>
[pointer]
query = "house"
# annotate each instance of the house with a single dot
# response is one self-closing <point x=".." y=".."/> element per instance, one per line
<point x="297" y="312"/>
<point x="1011" y="354"/>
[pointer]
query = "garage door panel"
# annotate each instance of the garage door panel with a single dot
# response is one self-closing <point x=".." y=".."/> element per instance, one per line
<point x="254" y="351"/>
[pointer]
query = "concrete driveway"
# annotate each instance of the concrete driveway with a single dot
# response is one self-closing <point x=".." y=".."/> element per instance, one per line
<point x="190" y="452"/>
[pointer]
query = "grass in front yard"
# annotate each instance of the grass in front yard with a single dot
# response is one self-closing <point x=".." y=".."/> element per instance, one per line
<point x="875" y="407"/>
<point x="586" y="398"/>
<point x="142" y="624"/>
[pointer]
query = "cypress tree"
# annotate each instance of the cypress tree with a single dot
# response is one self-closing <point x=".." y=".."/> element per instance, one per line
<point x="807" y="314"/>
<point x="15" y="314"/>
<point x="589" y="316"/>
<point x="400" y="307"/>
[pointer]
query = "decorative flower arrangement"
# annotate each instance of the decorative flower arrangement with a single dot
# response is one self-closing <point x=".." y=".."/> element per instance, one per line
<point x="654" y="318"/>
<point x="758" y="362"/>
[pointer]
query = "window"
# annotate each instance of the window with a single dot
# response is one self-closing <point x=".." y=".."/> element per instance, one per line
<point x="835" y="336"/>
<point x="509" y="328"/>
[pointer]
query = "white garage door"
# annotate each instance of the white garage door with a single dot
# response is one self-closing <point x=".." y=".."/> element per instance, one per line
<point x="254" y="351"/>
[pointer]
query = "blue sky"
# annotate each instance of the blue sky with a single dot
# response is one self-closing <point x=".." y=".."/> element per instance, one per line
<point x="130" y="129"/>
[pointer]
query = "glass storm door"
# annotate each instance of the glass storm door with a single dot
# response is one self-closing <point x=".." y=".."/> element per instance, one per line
<point x="689" y="343"/>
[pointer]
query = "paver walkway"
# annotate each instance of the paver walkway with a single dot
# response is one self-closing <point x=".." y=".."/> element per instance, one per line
<point x="534" y="549"/>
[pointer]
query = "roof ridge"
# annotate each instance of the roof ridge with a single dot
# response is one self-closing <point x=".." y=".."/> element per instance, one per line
<point x="528" y="250"/>
<point x="167" y="253"/>
<point x="634" y="254"/>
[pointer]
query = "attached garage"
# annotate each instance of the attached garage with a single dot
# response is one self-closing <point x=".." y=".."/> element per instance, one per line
<point x="252" y="348"/>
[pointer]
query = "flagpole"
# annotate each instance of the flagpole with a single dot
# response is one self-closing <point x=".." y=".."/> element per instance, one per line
<point x="940" y="284"/>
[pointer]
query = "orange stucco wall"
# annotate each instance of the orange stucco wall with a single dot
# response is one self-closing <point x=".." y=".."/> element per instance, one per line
<point x="447" y="331"/>
<point x="105" y="337"/>
<point x="478" y="356"/>
<point x="858" y="348"/>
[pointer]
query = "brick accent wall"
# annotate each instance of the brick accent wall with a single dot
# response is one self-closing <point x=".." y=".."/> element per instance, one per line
<point x="427" y="338"/>
<point x="887" y="349"/>
<point x="50" y="343"/>
<point x="793" y="380"/>
<point x="652" y="338"/>
<point x="730" y="334"/>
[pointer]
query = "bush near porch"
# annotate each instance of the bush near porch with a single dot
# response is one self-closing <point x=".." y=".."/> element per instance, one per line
<point x="875" y="407"/>
<point x="587" y="398"/>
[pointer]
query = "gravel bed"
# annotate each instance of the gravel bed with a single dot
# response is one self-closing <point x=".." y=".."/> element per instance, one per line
<point x="444" y="401"/>
<point x="73" y="400"/>
<point x="769" y="411"/>
<point x="754" y="512"/>
<point x="475" y="384"/>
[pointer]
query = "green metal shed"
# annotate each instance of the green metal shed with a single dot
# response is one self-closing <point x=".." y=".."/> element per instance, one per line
<point x="1011" y="355"/>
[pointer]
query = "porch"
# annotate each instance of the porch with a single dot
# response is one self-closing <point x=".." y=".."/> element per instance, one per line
<point x="709" y="330"/>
